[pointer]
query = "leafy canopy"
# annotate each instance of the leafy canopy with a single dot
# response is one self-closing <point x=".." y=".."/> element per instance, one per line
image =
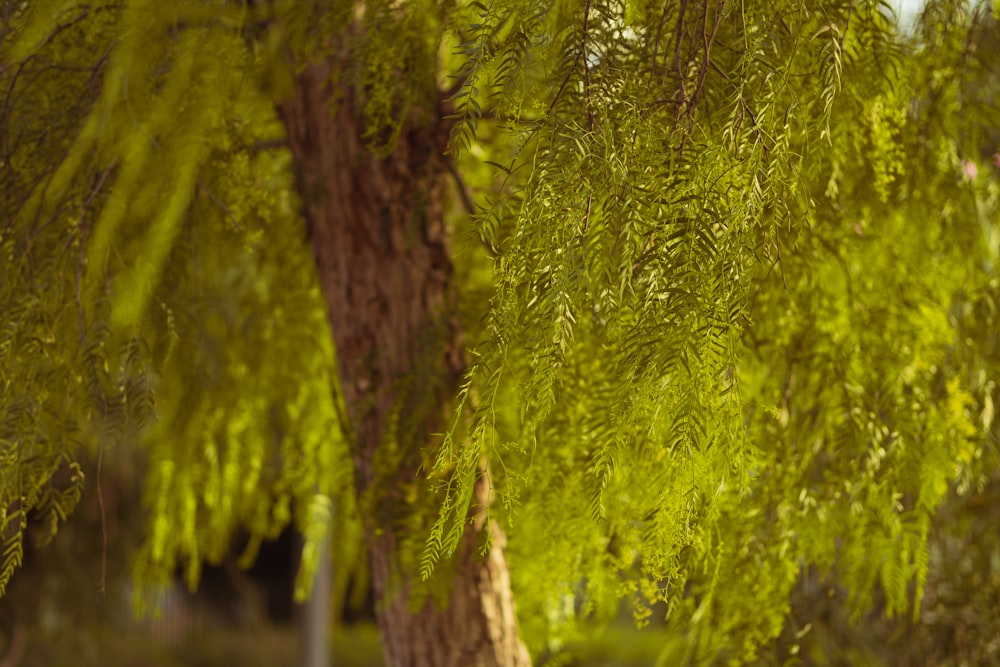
<point x="738" y="259"/>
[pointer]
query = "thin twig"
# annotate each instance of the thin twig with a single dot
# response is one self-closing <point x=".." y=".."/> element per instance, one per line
<point x="656" y="45"/>
<point x="677" y="50"/>
<point x="219" y="203"/>
<point x="708" y="42"/>
<point x="767" y="275"/>
<point x="463" y="192"/>
<point x="104" y="525"/>
<point x="84" y="232"/>
<point x="586" y="66"/>
<point x="781" y="265"/>
<point x="268" y="144"/>
<point x="586" y="216"/>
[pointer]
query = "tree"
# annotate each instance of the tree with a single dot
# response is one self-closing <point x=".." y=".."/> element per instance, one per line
<point x="682" y="361"/>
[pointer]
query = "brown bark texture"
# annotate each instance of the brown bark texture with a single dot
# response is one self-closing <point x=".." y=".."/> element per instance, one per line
<point x="382" y="251"/>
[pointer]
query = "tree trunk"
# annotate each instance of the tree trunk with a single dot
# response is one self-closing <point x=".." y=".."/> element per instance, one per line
<point x="382" y="251"/>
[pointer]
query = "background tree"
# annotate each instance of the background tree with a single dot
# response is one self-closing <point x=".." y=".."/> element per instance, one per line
<point x="719" y="249"/>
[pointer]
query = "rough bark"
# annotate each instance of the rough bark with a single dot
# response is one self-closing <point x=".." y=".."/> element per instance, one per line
<point x="382" y="252"/>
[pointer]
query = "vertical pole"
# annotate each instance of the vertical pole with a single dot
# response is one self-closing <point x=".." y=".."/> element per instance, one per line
<point x="316" y="623"/>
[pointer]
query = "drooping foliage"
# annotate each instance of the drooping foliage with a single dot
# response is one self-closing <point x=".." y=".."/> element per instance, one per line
<point x="154" y="249"/>
<point x="728" y="260"/>
<point x="739" y="259"/>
